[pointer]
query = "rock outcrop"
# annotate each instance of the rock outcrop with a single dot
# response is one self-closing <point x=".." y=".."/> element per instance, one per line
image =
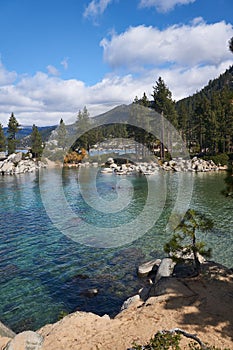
<point x="194" y="165"/>
<point x="201" y="306"/>
<point x="16" y="164"/>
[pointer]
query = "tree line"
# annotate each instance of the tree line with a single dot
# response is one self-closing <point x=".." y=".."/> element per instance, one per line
<point x="9" y="143"/>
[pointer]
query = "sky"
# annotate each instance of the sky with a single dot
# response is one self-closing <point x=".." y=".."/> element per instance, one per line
<point x="57" y="56"/>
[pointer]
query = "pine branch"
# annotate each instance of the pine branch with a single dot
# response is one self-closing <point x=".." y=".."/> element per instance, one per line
<point x="187" y="335"/>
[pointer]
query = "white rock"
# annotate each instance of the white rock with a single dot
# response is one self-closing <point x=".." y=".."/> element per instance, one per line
<point x="127" y="303"/>
<point x="147" y="267"/>
<point x="165" y="269"/>
<point x="26" y="340"/>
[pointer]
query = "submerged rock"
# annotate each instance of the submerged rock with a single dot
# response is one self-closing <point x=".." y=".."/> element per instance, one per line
<point x="90" y="293"/>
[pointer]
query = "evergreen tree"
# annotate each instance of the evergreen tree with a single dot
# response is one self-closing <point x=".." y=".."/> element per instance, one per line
<point x="82" y="125"/>
<point x="2" y="139"/>
<point x="231" y="44"/>
<point x="164" y="105"/>
<point x="13" y="128"/>
<point x="184" y="241"/>
<point x="163" y="102"/>
<point x="62" y="134"/>
<point x="142" y="101"/>
<point x="228" y="191"/>
<point x="36" y="142"/>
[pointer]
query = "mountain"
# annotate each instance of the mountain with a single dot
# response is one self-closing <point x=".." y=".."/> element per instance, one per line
<point x="25" y="131"/>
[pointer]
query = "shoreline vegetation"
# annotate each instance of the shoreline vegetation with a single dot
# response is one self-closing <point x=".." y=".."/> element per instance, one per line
<point x="176" y="298"/>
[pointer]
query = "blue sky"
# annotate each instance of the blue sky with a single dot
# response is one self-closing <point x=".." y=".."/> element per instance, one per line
<point x="57" y="56"/>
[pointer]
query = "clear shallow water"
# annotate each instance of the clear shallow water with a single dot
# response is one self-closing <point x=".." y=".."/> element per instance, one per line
<point x="43" y="272"/>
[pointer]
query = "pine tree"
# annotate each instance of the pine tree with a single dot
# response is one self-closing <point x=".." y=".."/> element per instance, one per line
<point x="13" y="129"/>
<point x="36" y="142"/>
<point x="62" y="134"/>
<point x="184" y="241"/>
<point x="231" y="44"/>
<point x="82" y="125"/>
<point x="2" y="139"/>
<point x="164" y="105"/>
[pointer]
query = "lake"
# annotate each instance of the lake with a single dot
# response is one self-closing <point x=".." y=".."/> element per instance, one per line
<point x="55" y="245"/>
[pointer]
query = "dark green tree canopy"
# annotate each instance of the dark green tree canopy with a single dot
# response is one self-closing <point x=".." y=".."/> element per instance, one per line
<point x="36" y="142"/>
<point x="163" y="102"/>
<point x="231" y="44"/>
<point x="2" y="139"/>
<point x="184" y="241"/>
<point x="62" y="134"/>
<point x="13" y="129"/>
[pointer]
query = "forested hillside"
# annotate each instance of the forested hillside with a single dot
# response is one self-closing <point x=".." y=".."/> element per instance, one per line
<point x="206" y="118"/>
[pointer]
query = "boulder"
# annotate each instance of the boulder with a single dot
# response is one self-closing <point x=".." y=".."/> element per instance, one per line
<point x="147" y="267"/>
<point x="7" y="168"/>
<point x="3" y="155"/>
<point x="188" y="256"/>
<point x="15" y="157"/>
<point x="6" y="332"/>
<point x="165" y="269"/>
<point x="110" y="161"/>
<point x="130" y="301"/>
<point x="26" y="340"/>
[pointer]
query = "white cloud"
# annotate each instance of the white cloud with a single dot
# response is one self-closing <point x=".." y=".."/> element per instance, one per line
<point x="43" y="100"/>
<point x="188" y="45"/>
<point x="164" y="5"/>
<point x="52" y="70"/>
<point x="185" y="56"/>
<point x="64" y="62"/>
<point x="96" y="8"/>
<point x="5" y="76"/>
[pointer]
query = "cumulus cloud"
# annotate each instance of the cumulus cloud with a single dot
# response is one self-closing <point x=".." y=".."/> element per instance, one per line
<point x="43" y="100"/>
<point x="5" y="76"/>
<point x="185" y="56"/>
<point x="52" y="70"/>
<point x="96" y="8"/>
<point x="188" y="45"/>
<point x="164" y="5"/>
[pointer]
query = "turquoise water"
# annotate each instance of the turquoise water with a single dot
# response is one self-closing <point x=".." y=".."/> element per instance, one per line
<point x="44" y="272"/>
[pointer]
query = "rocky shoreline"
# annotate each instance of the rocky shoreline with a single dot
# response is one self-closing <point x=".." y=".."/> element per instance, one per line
<point x="195" y="165"/>
<point x="172" y="298"/>
<point x="16" y="163"/>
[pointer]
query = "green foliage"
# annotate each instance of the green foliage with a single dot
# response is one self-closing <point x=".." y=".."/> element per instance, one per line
<point x="82" y="125"/>
<point x="36" y="142"/>
<point x="161" y="341"/>
<point x="163" y="102"/>
<point x="170" y="341"/>
<point x="13" y="128"/>
<point x="2" y="139"/>
<point x="231" y="44"/>
<point x="62" y="314"/>
<point x="184" y="241"/>
<point x="228" y="191"/>
<point x="221" y="159"/>
<point x="205" y="119"/>
<point x="62" y="135"/>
